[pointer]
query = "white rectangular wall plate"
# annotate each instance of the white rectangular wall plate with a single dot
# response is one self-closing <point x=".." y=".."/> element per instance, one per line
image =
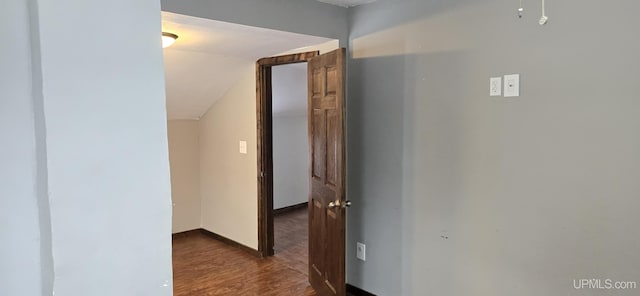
<point x="361" y="251"/>
<point x="495" y="86"/>
<point x="243" y="147"/>
<point x="512" y="85"/>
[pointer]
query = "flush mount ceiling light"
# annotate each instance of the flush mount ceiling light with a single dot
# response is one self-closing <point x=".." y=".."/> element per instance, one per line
<point x="168" y="39"/>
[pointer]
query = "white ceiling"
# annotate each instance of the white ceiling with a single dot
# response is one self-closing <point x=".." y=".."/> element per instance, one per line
<point x="210" y="56"/>
<point x="347" y="3"/>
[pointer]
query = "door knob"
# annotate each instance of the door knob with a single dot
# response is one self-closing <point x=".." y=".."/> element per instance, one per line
<point x="338" y="204"/>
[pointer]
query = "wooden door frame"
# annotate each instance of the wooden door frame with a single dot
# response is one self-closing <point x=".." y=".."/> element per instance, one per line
<point x="265" y="144"/>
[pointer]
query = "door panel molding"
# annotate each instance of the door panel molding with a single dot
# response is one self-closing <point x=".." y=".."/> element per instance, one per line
<point x="327" y="155"/>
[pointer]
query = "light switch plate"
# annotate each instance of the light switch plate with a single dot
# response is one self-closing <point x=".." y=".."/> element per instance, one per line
<point x="512" y="85"/>
<point x="361" y="251"/>
<point x="243" y="147"/>
<point x="495" y="86"/>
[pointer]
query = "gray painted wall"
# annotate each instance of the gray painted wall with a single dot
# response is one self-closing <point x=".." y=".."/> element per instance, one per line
<point x="107" y="151"/>
<point x="24" y="268"/>
<point x="290" y="160"/>
<point x="84" y="171"/>
<point x="298" y="16"/>
<point x="290" y="135"/>
<point x="456" y="193"/>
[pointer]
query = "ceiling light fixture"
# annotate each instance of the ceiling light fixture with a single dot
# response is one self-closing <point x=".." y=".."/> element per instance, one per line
<point x="168" y="39"/>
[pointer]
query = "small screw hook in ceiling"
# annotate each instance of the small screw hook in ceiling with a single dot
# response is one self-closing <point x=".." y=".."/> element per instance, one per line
<point x="520" y="10"/>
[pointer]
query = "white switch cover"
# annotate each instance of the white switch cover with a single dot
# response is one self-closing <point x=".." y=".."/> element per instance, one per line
<point x="243" y="147"/>
<point x="512" y="85"/>
<point x="495" y="86"/>
<point x="361" y="251"/>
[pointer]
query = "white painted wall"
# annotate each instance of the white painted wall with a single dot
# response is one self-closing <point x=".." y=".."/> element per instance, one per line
<point x="23" y="264"/>
<point x="228" y="179"/>
<point x="456" y="193"/>
<point x="106" y="137"/>
<point x="184" y="157"/>
<point x="290" y="160"/>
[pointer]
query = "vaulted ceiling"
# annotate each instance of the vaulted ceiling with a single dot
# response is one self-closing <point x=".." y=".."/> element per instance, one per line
<point x="209" y="57"/>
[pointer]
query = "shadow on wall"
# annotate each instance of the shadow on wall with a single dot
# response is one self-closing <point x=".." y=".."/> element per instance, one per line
<point x="375" y="128"/>
<point x="393" y="103"/>
<point x="382" y="15"/>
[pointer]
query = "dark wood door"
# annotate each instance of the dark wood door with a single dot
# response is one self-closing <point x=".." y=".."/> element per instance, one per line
<point x="326" y="74"/>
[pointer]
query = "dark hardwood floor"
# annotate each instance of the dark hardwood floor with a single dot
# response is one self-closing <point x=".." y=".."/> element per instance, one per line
<point x="205" y="266"/>
<point x="291" y="233"/>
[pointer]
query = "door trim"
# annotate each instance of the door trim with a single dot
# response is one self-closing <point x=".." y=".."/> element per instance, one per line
<point x="265" y="145"/>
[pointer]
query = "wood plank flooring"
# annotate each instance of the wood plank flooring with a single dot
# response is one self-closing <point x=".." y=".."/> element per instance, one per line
<point x="205" y="266"/>
<point x="291" y="232"/>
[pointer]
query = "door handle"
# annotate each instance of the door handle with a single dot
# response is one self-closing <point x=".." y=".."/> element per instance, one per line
<point x="339" y="204"/>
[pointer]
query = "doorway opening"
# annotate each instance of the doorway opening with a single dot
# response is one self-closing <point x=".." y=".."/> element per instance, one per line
<point x="326" y="170"/>
<point x="290" y="164"/>
<point x="210" y="76"/>
<point x="265" y="120"/>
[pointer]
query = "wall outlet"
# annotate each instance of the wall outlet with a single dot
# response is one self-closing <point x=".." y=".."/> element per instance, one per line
<point x="495" y="86"/>
<point x="361" y="251"/>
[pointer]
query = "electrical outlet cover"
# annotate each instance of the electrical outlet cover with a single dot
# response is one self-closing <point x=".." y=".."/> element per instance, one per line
<point x="495" y="86"/>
